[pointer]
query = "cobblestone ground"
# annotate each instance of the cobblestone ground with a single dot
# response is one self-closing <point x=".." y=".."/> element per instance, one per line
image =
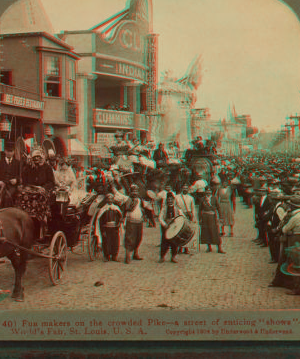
<point x="237" y="280"/>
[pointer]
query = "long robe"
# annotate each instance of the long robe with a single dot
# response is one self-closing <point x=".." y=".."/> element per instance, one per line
<point x="226" y="209"/>
<point x="208" y="217"/>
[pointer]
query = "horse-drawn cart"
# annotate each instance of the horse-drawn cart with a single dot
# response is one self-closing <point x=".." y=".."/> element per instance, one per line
<point x="43" y="225"/>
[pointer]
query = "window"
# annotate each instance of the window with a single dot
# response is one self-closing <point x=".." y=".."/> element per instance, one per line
<point x="52" y="78"/>
<point x="71" y="82"/>
<point x="6" y="77"/>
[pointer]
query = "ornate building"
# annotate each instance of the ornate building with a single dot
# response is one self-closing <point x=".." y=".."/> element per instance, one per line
<point x="117" y="76"/>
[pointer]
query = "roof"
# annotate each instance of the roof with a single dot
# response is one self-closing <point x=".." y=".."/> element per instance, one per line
<point x="44" y="34"/>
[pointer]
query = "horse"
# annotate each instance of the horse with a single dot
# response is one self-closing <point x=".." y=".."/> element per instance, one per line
<point x="18" y="227"/>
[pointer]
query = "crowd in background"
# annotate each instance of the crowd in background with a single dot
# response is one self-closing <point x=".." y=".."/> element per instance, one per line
<point x="206" y="201"/>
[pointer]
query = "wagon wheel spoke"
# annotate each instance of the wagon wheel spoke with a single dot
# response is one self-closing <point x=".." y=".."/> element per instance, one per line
<point x="58" y="271"/>
<point x="55" y="262"/>
<point x="58" y="260"/>
<point x="62" y="251"/>
<point x="60" y="266"/>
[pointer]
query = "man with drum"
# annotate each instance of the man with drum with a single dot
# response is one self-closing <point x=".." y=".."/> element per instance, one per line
<point x="9" y="176"/>
<point x="168" y="212"/>
<point x="187" y="205"/>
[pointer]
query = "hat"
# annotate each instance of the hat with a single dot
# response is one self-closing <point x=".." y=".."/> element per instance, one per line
<point x="109" y="196"/>
<point x="295" y="201"/>
<point x="170" y="195"/>
<point x="289" y="269"/>
<point x="134" y="187"/>
<point x="37" y="152"/>
<point x="9" y="146"/>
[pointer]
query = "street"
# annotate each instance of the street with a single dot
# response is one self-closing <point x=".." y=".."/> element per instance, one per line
<point x="237" y="280"/>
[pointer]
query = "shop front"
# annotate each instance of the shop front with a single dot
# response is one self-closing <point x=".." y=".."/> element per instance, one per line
<point x="38" y="90"/>
<point x="114" y="75"/>
<point x="21" y="114"/>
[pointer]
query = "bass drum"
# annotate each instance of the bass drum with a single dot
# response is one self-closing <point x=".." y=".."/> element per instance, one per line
<point x="180" y="231"/>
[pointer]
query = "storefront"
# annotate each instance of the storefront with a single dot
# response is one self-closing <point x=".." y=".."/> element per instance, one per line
<point x="38" y="89"/>
<point x="116" y="76"/>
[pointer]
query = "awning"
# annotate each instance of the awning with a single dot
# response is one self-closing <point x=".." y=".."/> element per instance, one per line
<point x="77" y="148"/>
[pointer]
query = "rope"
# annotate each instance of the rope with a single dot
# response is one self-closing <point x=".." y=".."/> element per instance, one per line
<point x="27" y="249"/>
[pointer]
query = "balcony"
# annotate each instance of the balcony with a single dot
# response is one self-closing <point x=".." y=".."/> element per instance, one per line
<point x="15" y="96"/>
<point x="142" y="122"/>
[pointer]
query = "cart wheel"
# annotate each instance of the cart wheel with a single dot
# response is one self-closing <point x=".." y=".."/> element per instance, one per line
<point x="58" y="254"/>
<point x="94" y="251"/>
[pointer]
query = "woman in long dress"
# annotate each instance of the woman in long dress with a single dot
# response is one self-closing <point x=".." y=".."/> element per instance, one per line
<point x="209" y="210"/>
<point x="65" y="179"/>
<point x="226" y="198"/>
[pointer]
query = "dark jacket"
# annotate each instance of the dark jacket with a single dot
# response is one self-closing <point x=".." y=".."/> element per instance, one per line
<point x="9" y="171"/>
<point x="160" y="157"/>
<point x="42" y="176"/>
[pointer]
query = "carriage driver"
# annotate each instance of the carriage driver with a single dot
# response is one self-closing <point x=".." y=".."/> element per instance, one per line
<point x="168" y="212"/>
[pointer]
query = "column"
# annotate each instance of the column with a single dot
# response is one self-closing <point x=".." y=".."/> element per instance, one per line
<point x="123" y="96"/>
<point x="134" y="105"/>
<point x="86" y="104"/>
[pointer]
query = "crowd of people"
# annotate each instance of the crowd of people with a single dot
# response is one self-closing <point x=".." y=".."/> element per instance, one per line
<point x="267" y="183"/>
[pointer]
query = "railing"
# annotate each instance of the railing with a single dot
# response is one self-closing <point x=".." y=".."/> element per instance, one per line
<point x="142" y="122"/>
<point x="17" y="91"/>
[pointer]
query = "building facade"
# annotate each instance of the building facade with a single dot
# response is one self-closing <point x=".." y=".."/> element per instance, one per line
<point x="38" y="88"/>
<point x="116" y="76"/>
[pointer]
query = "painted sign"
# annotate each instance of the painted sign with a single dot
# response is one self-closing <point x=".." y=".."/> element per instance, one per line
<point x="102" y="142"/>
<point x="131" y="71"/>
<point x="121" y="69"/>
<point x="18" y="101"/>
<point x="110" y="118"/>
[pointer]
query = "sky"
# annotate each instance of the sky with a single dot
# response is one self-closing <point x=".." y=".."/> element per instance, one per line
<point x="250" y="50"/>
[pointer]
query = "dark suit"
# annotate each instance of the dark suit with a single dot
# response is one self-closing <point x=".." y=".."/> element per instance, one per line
<point x="109" y="226"/>
<point x="264" y="215"/>
<point x="9" y="171"/>
<point x="160" y="157"/>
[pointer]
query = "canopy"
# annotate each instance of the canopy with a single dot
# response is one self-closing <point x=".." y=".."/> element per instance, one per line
<point x="76" y="148"/>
